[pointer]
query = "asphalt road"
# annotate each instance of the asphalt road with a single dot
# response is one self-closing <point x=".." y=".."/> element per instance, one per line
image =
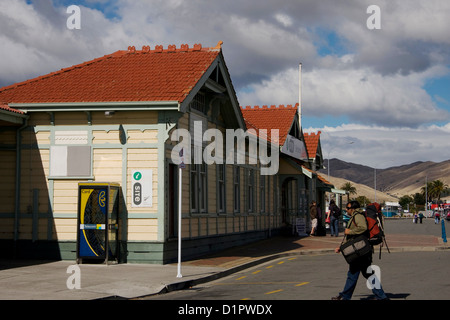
<point x="404" y="275"/>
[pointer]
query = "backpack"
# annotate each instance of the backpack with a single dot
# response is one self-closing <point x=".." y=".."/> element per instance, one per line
<point x="374" y="219"/>
<point x="336" y="211"/>
<point x="374" y="223"/>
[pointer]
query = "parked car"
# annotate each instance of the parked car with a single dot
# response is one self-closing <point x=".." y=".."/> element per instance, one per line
<point x="345" y="220"/>
<point x="448" y="216"/>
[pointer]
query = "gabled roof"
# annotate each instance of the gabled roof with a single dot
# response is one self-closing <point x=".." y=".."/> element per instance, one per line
<point x="312" y="143"/>
<point x="124" y="76"/>
<point x="273" y="117"/>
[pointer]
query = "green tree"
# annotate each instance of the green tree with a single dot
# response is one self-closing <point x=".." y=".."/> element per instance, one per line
<point x="350" y="190"/>
<point x="405" y="200"/>
<point x="438" y="187"/>
<point x="426" y="192"/>
<point x="363" y="200"/>
<point x="419" y="199"/>
<point x="435" y="189"/>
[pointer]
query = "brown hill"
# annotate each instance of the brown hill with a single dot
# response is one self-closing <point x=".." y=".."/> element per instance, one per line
<point x="361" y="190"/>
<point x="394" y="181"/>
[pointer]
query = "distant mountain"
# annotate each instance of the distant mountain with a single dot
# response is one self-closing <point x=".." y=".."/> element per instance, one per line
<point x="396" y="181"/>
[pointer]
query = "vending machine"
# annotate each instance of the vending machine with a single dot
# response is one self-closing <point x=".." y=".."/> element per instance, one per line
<point x="98" y="223"/>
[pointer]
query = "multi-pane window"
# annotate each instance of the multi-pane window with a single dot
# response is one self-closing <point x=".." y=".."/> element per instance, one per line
<point x="250" y="190"/>
<point x="199" y="103"/>
<point x="236" y="189"/>
<point x="199" y="191"/>
<point x="203" y="189"/>
<point x="221" y="188"/>
<point x="262" y="193"/>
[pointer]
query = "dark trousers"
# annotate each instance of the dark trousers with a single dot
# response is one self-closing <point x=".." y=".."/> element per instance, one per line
<point x="355" y="268"/>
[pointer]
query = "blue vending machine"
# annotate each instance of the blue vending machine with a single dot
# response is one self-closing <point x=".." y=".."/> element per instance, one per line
<point x="98" y="223"/>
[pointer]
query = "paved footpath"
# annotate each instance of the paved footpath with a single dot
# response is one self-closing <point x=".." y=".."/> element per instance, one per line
<point x="44" y="280"/>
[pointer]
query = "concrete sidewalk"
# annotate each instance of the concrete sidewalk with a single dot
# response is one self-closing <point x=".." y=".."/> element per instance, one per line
<point x="44" y="280"/>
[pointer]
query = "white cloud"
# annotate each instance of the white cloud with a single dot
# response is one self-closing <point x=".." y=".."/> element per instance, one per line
<point x="361" y="94"/>
<point x="372" y="77"/>
<point x="382" y="147"/>
<point x="284" y="19"/>
<point x="35" y="39"/>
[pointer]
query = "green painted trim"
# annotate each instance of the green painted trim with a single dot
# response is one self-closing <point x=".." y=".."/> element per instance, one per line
<point x="60" y="215"/>
<point x="72" y="178"/>
<point x="161" y="211"/>
<point x="12" y="117"/>
<point x="97" y="106"/>
<point x="97" y="127"/>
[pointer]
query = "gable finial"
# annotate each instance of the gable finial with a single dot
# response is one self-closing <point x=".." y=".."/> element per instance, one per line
<point x="218" y="46"/>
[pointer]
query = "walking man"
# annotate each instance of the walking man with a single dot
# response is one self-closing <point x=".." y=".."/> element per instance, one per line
<point x="357" y="226"/>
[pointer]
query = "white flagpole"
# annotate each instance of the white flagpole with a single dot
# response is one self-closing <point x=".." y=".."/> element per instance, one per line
<point x="180" y="174"/>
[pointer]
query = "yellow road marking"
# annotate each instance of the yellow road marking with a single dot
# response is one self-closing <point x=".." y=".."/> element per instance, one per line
<point x="268" y="267"/>
<point x="258" y="271"/>
<point x="253" y="283"/>
<point x="275" y="291"/>
<point x="241" y="278"/>
<point x="301" y="284"/>
<point x="281" y="262"/>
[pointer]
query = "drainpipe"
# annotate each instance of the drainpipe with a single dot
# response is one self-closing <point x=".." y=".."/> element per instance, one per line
<point x="17" y="193"/>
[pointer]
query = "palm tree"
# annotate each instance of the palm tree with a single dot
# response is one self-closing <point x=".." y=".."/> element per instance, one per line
<point x="427" y="189"/>
<point x="437" y="188"/>
<point x="349" y="188"/>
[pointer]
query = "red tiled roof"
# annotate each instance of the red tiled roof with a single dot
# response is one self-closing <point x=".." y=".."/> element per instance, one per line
<point x="312" y="143"/>
<point x="132" y="75"/>
<point x="325" y="181"/>
<point x="7" y="108"/>
<point x="273" y="117"/>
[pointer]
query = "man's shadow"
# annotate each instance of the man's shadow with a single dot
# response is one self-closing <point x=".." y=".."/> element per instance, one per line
<point x="391" y="296"/>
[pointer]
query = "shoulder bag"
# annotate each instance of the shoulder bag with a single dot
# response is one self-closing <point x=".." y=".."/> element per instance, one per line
<point x="355" y="247"/>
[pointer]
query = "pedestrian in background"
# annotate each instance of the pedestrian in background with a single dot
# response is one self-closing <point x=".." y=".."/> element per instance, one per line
<point x="313" y="215"/>
<point x="420" y="217"/>
<point x="437" y="217"/>
<point x="335" y="213"/>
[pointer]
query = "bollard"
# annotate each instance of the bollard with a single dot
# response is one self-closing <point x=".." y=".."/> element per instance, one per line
<point x="444" y="236"/>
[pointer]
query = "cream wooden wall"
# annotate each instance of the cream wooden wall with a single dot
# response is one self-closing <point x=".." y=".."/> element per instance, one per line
<point x="114" y="162"/>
